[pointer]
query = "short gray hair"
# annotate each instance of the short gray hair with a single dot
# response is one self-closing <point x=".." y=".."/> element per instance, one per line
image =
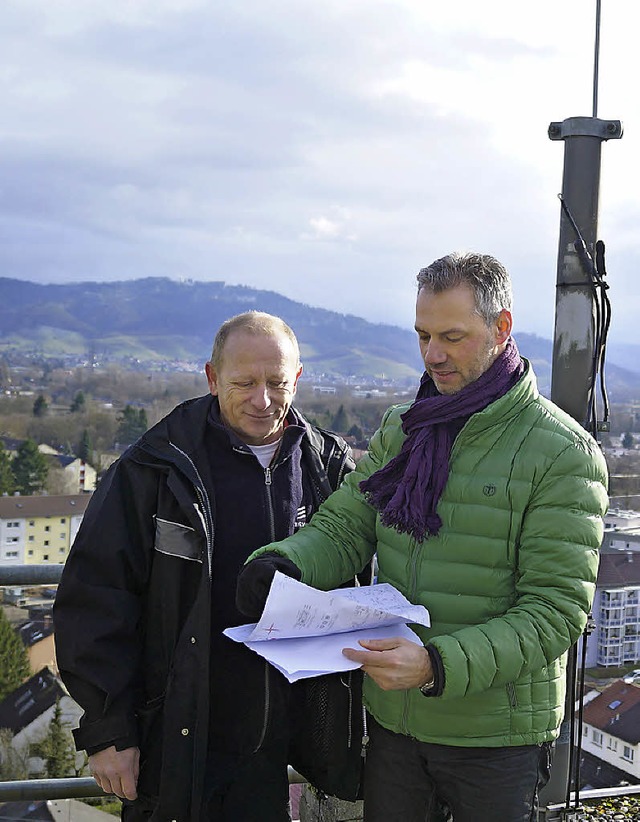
<point x="253" y="322"/>
<point x="486" y="276"/>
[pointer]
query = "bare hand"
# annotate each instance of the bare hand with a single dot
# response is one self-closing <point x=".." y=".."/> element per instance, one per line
<point x="394" y="664"/>
<point x="116" y="771"/>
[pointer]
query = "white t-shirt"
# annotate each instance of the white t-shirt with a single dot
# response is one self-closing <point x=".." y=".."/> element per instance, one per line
<point x="265" y="453"/>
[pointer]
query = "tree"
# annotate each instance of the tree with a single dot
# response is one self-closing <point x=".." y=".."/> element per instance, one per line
<point x="29" y="468"/>
<point x="40" y="406"/>
<point x="627" y="440"/>
<point x="132" y="424"/>
<point x="340" y="422"/>
<point x="357" y="432"/>
<point x="7" y="480"/>
<point x="14" y="662"/>
<point x="85" y="447"/>
<point x="57" y="748"/>
<point x="79" y="403"/>
<point x="14" y="763"/>
<point x="5" y="374"/>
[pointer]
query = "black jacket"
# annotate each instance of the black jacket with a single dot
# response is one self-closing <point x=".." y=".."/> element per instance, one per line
<point x="133" y="613"/>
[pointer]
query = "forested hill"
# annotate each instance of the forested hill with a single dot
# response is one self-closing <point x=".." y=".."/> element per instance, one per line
<point x="163" y="319"/>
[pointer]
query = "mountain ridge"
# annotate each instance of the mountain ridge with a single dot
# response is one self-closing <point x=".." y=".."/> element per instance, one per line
<point x="157" y="318"/>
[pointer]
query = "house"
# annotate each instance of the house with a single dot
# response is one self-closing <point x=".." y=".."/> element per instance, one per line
<point x="11" y="445"/>
<point x="27" y="712"/>
<point x="39" y="529"/>
<point x="37" y="637"/>
<point x="74" y="476"/>
<point x="611" y="728"/>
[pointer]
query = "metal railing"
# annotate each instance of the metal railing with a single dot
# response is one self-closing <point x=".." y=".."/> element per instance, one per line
<point x="86" y="787"/>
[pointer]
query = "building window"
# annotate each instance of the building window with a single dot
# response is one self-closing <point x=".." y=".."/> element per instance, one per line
<point x="61" y="550"/>
<point x="612" y="744"/>
<point x="597" y="738"/>
<point x="45" y="556"/>
<point x="47" y="527"/>
<point x="63" y="520"/>
<point x="31" y="523"/>
<point x="13" y="524"/>
<point x="31" y="538"/>
<point x="11" y="554"/>
<point x="13" y="539"/>
<point x="30" y="553"/>
<point x="627" y="753"/>
<point x="63" y="536"/>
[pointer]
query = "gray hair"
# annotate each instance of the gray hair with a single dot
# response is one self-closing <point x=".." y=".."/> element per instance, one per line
<point x="253" y="322"/>
<point x="486" y="276"/>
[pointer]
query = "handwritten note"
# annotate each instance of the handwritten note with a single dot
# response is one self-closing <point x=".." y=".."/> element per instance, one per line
<point x="302" y="631"/>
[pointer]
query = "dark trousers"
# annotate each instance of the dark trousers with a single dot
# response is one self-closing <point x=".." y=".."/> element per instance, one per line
<point x="411" y="781"/>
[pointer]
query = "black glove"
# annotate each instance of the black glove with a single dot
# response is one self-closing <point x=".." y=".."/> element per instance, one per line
<point x="255" y="579"/>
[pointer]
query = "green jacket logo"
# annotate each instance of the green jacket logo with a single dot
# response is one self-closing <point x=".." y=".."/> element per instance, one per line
<point x="489" y="490"/>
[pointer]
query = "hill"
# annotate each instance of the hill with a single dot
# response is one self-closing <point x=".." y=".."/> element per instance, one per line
<point x="163" y="320"/>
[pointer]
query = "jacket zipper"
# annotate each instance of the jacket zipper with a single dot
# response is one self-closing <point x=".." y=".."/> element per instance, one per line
<point x="267" y="688"/>
<point x="411" y="596"/>
<point x="341" y="474"/>
<point x="267" y="482"/>
<point x="203" y="510"/>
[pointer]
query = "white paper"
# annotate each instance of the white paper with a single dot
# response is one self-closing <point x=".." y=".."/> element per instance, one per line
<point x="302" y="631"/>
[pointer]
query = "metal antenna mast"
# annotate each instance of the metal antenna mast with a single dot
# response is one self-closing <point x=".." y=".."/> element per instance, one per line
<point x="576" y="338"/>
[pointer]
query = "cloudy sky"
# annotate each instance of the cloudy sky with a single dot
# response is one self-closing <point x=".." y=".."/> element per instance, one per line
<point x="324" y="150"/>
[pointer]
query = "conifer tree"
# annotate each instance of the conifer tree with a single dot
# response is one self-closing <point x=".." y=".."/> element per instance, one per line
<point x="79" y="403"/>
<point x="29" y="468"/>
<point x="340" y="422"/>
<point x="57" y="748"/>
<point x="85" y="447"/>
<point x="7" y="480"/>
<point x="132" y="424"/>
<point x="14" y="662"/>
<point x="40" y="406"/>
<point x="14" y="764"/>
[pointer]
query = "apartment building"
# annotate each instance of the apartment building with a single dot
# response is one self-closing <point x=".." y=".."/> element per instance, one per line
<point x="615" y="641"/>
<point x="39" y="529"/>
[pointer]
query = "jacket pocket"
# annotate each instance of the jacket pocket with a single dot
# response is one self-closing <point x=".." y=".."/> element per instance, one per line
<point x="177" y="540"/>
<point x="511" y="693"/>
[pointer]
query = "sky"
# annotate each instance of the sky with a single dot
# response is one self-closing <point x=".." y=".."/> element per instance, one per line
<point x="326" y="151"/>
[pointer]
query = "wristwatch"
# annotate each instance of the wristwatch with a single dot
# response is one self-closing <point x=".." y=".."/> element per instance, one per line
<point x="426" y="689"/>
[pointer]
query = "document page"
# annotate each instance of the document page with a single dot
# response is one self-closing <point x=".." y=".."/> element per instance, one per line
<point x="302" y="630"/>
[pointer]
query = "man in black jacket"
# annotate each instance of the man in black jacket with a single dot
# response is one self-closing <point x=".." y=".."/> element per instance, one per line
<point x="179" y="721"/>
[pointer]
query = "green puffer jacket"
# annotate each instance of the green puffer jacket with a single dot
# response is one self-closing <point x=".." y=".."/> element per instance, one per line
<point x="508" y="580"/>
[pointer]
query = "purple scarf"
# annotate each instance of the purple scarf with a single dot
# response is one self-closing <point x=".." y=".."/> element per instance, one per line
<point x="407" y="490"/>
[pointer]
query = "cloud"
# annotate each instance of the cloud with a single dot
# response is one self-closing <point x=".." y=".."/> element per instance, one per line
<point x="324" y="151"/>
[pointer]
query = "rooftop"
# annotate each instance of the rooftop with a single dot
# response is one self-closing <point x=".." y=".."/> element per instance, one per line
<point x="43" y="505"/>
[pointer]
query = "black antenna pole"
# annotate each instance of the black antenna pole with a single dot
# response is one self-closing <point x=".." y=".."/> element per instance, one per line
<point x="596" y="59"/>
<point x="575" y="321"/>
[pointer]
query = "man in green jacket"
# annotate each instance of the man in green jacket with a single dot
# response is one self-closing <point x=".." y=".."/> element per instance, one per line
<point x="483" y="502"/>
